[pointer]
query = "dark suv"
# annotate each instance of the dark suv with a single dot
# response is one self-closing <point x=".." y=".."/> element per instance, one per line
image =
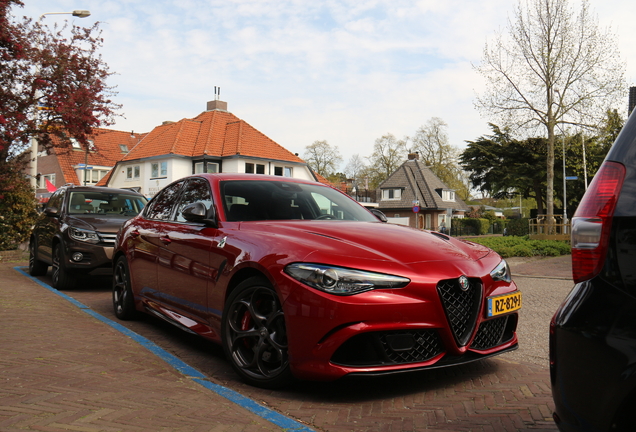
<point x="593" y="333"/>
<point x="76" y="232"/>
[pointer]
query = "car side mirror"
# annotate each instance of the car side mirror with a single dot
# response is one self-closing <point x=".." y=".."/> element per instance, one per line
<point x="381" y="216"/>
<point x="52" y="212"/>
<point x="197" y="212"/>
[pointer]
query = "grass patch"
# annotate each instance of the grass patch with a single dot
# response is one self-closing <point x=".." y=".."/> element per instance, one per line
<point x="513" y="246"/>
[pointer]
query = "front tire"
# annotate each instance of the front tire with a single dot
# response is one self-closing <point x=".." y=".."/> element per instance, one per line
<point x="36" y="267"/>
<point x="254" y="334"/>
<point x="62" y="277"/>
<point x="123" y="298"/>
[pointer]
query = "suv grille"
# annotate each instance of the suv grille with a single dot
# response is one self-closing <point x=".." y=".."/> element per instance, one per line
<point x="108" y="238"/>
<point x="461" y="307"/>
<point x="490" y="333"/>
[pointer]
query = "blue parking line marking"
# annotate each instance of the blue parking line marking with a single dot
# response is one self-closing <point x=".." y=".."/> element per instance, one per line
<point x="272" y="416"/>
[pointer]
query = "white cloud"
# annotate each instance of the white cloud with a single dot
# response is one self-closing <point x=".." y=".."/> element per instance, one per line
<point x="344" y="71"/>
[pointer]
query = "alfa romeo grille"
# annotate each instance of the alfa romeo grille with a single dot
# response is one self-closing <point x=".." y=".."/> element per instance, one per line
<point x="461" y="307"/>
<point x="490" y="333"/>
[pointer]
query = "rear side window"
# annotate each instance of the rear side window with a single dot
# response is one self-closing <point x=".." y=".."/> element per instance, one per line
<point x="163" y="204"/>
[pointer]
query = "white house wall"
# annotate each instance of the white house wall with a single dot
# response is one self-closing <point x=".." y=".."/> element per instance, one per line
<point x="179" y="168"/>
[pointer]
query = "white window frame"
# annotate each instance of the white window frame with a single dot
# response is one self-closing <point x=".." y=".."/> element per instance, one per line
<point x="159" y="170"/>
<point x="386" y="194"/>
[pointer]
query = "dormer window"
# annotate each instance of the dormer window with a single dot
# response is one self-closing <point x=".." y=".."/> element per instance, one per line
<point x="392" y="194"/>
<point x="446" y="194"/>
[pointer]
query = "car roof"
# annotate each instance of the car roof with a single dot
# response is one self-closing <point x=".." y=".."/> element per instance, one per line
<point x="77" y="188"/>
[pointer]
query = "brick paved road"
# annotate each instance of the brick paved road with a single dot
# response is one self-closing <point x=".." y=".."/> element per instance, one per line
<point x="507" y="393"/>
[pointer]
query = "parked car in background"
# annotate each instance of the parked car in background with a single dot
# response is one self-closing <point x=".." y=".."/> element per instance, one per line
<point x="76" y="231"/>
<point x="296" y="279"/>
<point x="593" y="333"/>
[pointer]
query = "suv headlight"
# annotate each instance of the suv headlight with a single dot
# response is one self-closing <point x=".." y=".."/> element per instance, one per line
<point x="342" y="281"/>
<point x="501" y="272"/>
<point x="84" y="235"/>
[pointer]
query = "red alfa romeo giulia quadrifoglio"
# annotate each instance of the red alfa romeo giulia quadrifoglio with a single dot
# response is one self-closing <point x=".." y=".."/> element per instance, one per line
<point x="296" y="279"/>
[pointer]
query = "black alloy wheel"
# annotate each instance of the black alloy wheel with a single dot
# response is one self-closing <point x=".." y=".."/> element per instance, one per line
<point x="62" y="277"/>
<point x="123" y="299"/>
<point x="254" y="334"/>
<point x="36" y="267"/>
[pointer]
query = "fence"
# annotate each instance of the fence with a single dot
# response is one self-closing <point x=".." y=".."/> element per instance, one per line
<point x="541" y="229"/>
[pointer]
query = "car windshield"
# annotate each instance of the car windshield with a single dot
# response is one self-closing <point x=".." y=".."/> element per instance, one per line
<point x="82" y="202"/>
<point x="252" y="200"/>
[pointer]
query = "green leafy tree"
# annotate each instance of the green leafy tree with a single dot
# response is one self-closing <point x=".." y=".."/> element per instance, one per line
<point x="501" y="166"/>
<point x="17" y="208"/>
<point x="596" y="148"/>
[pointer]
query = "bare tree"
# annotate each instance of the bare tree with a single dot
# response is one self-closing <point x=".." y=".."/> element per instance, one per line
<point x="323" y="158"/>
<point x="554" y="67"/>
<point x="354" y="167"/>
<point x="432" y="144"/>
<point x="388" y="154"/>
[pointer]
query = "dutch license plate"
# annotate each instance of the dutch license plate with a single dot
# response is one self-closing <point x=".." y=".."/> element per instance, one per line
<point x="504" y="303"/>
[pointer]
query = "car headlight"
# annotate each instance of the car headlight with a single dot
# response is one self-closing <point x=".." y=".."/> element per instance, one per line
<point x="84" y="235"/>
<point x="501" y="272"/>
<point x="342" y="281"/>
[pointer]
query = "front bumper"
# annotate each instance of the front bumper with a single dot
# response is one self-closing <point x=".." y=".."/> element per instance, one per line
<point x="93" y="256"/>
<point x="388" y="331"/>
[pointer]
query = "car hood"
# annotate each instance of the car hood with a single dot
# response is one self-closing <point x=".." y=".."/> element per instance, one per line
<point x="97" y="222"/>
<point x="369" y="241"/>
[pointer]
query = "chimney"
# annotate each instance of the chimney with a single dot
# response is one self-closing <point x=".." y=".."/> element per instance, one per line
<point x="414" y="156"/>
<point x="632" y="100"/>
<point x="217" y="105"/>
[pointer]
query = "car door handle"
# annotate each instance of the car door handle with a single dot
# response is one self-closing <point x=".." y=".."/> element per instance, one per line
<point x="165" y="240"/>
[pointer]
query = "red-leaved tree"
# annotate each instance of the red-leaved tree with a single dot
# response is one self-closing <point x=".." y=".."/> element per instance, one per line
<point x="52" y="82"/>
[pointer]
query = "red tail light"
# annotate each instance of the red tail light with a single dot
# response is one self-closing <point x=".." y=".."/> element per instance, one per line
<point x="592" y="221"/>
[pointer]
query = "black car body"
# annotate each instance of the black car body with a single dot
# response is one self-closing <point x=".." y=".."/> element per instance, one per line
<point x="593" y="333"/>
<point x="76" y="232"/>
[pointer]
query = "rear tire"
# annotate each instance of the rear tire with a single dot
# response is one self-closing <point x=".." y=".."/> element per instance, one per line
<point x="62" y="277"/>
<point x="36" y="267"/>
<point x="254" y="334"/>
<point x="123" y="298"/>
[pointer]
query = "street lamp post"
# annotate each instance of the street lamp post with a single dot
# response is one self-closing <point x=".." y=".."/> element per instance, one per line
<point x="34" y="141"/>
<point x="565" y="198"/>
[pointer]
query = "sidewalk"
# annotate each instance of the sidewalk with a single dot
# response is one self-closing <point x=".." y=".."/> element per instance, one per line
<point x="62" y="369"/>
<point x="554" y="267"/>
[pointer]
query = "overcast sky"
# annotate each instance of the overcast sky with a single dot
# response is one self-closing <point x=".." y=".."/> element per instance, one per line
<point x="299" y="71"/>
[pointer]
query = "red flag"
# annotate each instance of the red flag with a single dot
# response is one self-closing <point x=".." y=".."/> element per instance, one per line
<point x="50" y="186"/>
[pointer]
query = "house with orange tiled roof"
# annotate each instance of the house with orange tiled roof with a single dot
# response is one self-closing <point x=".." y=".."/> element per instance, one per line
<point x="214" y="141"/>
<point x="80" y="164"/>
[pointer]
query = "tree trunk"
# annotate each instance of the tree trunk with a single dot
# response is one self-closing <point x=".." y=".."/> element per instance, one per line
<point x="550" y="178"/>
